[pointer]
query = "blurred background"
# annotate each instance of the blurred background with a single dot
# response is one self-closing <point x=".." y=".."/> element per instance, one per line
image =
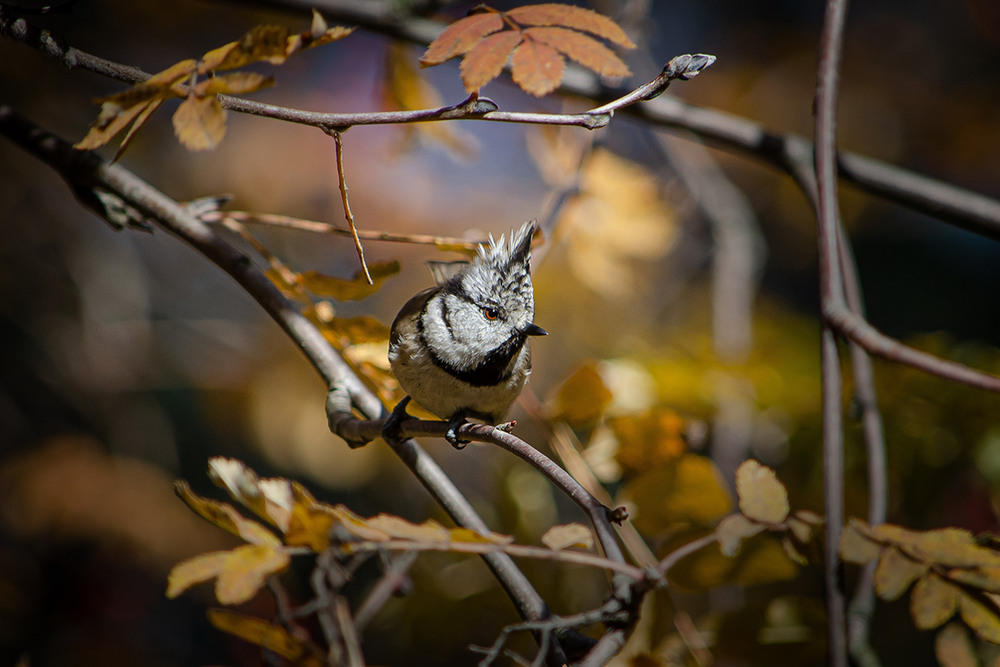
<point x="682" y="276"/>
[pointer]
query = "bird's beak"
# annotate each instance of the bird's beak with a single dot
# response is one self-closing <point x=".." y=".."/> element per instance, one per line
<point x="534" y="330"/>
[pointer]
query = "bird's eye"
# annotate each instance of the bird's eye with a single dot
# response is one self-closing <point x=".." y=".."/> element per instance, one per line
<point x="491" y="313"/>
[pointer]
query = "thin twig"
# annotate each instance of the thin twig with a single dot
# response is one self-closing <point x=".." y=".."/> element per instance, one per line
<point x="393" y="579"/>
<point x="342" y="181"/>
<point x="831" y="294"/>
<point x="316" y="227"/>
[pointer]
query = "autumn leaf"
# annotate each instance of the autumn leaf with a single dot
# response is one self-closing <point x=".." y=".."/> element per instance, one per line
<point x="980" y="613"/>
<point x="731" y="532"/>
<point x="856" y="546"/>
<point x="686" y="491"/>
<point x="267" y="635"/>
<point x="932" y="601"/>
<point x="648" y="438"/>
<point x="581" y="399"/>
<point x="578" y="18"/>
<point x="535" y="40"/>
<point x="536" y="67"/>
<point x="761" y="496"/>
<point x="485" y="60"/>
<point x="237" y="83"/>
<point x="226" y="517"/>
<point x="566" y="536"/>
<point x="953" y="648"/>
<point x="200" y="123"/>
<point x="461" y="36"/>
<point x="895" y="573"/>
<point x="239" y="573"/>
<point x="350" y="289"/>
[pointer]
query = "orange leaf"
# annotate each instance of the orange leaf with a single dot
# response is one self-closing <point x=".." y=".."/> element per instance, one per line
<point x="583" y="49"/>
<point x="172" y="74"/>
<point x="486" y="59"/>
<point x="460" y="36"/>
<point x="268" y="635"/>
<point x="569" y="16"/>
<point x="536" y="67"/>
<point x="200" y="123"/>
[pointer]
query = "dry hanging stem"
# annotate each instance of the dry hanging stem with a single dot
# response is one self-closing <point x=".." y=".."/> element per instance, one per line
<point x="339" y="142"/>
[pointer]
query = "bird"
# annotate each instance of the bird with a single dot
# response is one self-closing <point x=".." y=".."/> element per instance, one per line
<point x="460" y="349"/>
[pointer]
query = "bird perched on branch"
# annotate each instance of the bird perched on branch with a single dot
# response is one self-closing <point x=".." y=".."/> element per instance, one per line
<point x="460" y="349"/>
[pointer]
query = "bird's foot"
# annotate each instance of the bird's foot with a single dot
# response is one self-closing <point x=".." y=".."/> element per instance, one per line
<point x="451" y="435"/>
<point x="390" y="428"/>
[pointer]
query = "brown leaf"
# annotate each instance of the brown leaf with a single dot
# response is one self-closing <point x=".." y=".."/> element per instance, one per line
<point x="262" y="633"/>
<point x="140" y="121"/>
<point x="895" y="573"/>
<point x="485" y="60"/>
<point x="953" y="648"/>
<point x="762" y="497"/>
<point x="112" y="120"/>
<point x="237" y="83"/>
<point x="536" y="67"/>
<point x="731" y="532"/>
<point x="226" y="517"/>
<point x="583" y="49"/>
<point x="461" y="36"/>
<point x="568" y="16"/>
<point x="980" y="614"/>
<point x="200" y="123"/>
<point x="855" y="545"/>
<point x="308" y="40"/>
<point x="566" y="536"/>
<point x="932" y="601"/>
<point x="263" y="42"/>
<point x="581" y="399"/>
<point x="353" y="289"/>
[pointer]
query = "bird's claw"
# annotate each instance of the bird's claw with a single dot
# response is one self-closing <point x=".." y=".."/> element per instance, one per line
<point x="391" y="425"/>
<point x="451" y="435"/>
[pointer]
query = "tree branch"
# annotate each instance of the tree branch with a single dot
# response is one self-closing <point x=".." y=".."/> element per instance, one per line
<point x="88" y="174"/>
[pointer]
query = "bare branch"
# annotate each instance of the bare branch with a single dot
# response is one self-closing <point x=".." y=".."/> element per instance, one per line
<point x="342" y="180"/>
<point x="831" y="292"/>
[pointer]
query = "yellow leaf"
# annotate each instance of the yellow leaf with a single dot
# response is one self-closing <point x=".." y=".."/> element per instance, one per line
<point x="195" y="570"/>
<point x="686" y="491"/>
<point x="980" y="614"/>
<point x="263" y="42"/>
<point x="401" y="529"/>
<point x="895" y="573"/>
<point x="267" y="635"/>
<point x="239" y="573"/>
<point x="933" y="601"/>
<point x="112" y="120"/>
<point x="983" y="578"/>
<point x="581" y="398"/>
<point x="200" y="123"/>
<point x="467" y="536"/>
<point x="137" y="125"/>
<point x="269" y="499"/>
<point x="731" y="532"/>
<point x="855" y="545"/>
<point x="237" y="83"/>
<point x="803" y="525"/>
<point x="953" y="547"/>
<point x="762" y="497"/>
<point x="953" y="648"/>
<point x="353" y="289"/>
<point x="247" y="569"/>
<point x="344" y="331"/>
<point x="566" y="536"/>
<point x="226" y="517"/>
<point x="648" y="439"/>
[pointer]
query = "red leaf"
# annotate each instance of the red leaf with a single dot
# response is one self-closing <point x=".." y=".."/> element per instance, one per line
<point x="486" y="59"/>
<point x="568" y="16"/>
<point x="536" y="67"/>
<point x="461" y="36"/>
<point x="583" y="49"/>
